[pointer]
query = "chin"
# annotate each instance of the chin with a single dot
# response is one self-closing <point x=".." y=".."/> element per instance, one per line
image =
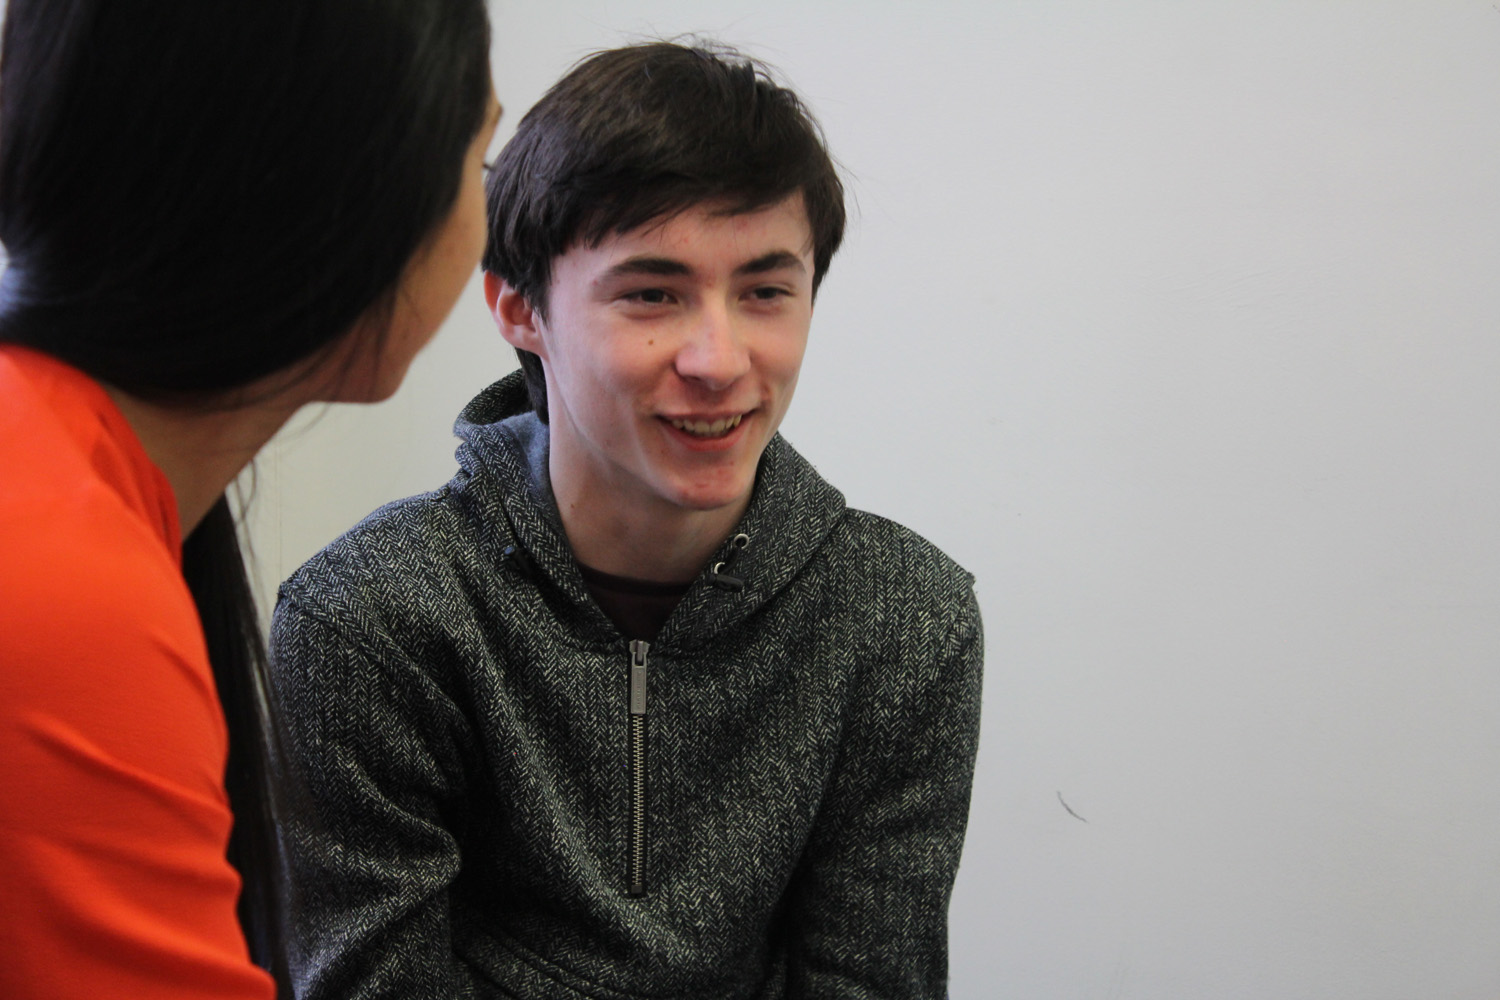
<point x="717" y="498"/>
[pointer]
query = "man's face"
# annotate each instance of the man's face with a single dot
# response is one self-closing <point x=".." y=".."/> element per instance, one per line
<point x="671" y="353"/>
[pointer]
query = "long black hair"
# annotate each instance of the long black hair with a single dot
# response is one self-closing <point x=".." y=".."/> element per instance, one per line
<point x="196" y="195"/>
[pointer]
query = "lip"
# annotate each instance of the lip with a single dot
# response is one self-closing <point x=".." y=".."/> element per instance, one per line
<point x="693" y="443"/>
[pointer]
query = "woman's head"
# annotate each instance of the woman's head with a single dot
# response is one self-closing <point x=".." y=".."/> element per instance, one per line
<point x="196" y="196"/>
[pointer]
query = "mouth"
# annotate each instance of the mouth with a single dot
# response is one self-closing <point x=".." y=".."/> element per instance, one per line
<point x="708" y="429"/>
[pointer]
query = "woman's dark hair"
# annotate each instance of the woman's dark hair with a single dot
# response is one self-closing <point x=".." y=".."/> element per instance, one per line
<point x="642" y="132"/>
<point x="194" y="196"/>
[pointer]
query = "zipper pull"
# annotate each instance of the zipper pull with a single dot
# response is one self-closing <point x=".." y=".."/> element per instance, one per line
<point x="638" y="650"/>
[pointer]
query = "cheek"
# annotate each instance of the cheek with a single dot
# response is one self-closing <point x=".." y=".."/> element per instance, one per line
<point x="473" y="213"/>
<point x="606" y="367"/>
<point x="452" y="257"/>
<point x="630" y="366"/>
<point x="464" y="243"/>
<point x="782" y="357"/>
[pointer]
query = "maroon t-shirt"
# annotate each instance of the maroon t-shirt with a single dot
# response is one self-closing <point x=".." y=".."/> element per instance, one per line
<point x="639" y="608"/>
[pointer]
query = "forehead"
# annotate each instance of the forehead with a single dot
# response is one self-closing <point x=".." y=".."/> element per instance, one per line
<point x="706" y="234"/>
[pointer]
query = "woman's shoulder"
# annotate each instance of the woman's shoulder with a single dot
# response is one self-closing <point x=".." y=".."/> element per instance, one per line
<point x="97" y="627"/>
<point x="71" y="460"/>
<point x="114" y="748"/>
<point x="83" y="550"/>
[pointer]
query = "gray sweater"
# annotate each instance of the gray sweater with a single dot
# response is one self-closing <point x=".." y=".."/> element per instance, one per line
<point x="498" y="797"/>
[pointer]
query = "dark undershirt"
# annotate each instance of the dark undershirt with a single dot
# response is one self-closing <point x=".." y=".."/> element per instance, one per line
<point x="639" y="608"/>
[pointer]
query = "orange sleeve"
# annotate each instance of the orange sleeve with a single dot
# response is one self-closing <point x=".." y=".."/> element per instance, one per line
<point x="113" y="819"/>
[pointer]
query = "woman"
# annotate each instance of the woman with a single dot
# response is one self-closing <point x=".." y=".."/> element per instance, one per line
<point x="214" y="214"/>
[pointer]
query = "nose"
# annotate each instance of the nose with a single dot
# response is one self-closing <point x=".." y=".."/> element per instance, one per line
<point x="714" y="353"/>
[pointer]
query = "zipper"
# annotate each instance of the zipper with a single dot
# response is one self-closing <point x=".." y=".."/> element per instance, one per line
<point x="636" y="874"/>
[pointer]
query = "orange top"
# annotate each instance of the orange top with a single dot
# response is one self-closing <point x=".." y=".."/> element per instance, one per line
<point x="113" y="816"/>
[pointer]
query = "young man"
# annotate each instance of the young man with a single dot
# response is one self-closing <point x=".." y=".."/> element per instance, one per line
<point x="634" y="706"/>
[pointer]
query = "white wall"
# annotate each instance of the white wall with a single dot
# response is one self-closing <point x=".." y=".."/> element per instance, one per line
<point x="1177" y="324"/>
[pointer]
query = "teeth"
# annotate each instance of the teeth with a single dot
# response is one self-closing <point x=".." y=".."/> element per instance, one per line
<point x="709" y="428"/>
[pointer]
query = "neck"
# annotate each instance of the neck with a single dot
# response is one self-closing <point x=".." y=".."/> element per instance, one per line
<point x="201" y="452"/>
<point x="667" y="546"/>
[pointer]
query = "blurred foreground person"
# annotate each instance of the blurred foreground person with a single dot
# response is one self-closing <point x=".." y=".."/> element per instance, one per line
<point x="213" y="214"/>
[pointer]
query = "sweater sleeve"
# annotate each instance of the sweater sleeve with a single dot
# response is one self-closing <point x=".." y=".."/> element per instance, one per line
<point x="869" y="909"/>
<point x="371" y="757"/>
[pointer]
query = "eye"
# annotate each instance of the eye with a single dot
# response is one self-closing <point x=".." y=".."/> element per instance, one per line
<point x="769" y="293"/>
<point x="649" y="296"/>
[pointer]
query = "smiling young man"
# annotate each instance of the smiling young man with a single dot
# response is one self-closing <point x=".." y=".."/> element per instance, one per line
<point x="634" y="705"/>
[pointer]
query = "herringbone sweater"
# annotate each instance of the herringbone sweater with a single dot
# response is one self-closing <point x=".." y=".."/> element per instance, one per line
<point x="458" y="713"/>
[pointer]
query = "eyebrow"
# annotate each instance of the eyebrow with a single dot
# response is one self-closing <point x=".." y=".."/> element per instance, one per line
<point x="776" y="260"/>
<point x="658" y="266"/>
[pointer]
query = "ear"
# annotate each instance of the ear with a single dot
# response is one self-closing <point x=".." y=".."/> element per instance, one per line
<point x="517" y="321"/>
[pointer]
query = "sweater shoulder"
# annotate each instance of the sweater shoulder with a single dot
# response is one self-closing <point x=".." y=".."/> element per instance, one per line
<point x="890" y="549"/>
<point x="909" y="614"/>
<point x="414" y="546"/>
<point x="895" y="589"/>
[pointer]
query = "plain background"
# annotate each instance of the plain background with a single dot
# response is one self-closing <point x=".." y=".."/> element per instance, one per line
<point x="1176" y="323"/>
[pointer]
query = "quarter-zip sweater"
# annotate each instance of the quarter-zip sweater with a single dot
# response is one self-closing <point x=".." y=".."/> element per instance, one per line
<point x="471" y="817"/>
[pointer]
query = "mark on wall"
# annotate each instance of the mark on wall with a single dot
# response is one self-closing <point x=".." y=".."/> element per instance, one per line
<point x="1070" y="808"/>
